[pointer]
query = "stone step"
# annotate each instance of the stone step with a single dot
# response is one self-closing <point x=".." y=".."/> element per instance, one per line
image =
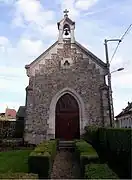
<point x="65" y="144"/>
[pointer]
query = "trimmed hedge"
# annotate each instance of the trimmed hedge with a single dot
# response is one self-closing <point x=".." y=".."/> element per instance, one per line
<point x="83" y="148"/>
<point x="113" y="145"/>
<point x="92" y="134"/>
<point x="119" y="140"/>
<point x="99" y="171"/>
<point x="85" y="154"/>
<point x="41" y="159"/>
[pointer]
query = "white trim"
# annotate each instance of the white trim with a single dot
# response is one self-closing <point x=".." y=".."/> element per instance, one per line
<point x="82" y="117"/>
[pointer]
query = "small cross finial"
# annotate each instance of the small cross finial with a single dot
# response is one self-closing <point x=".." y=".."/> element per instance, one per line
<point x="66" y="12"/>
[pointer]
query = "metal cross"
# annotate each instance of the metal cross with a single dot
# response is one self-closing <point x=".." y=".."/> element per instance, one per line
<point x="66" y="12"/>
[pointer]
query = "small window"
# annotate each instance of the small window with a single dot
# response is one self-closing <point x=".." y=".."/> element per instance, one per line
<point x="66" y="64"/>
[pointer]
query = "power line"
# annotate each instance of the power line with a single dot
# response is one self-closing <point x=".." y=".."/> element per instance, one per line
<point x="115" y="51"/>
<point x="126" y="32"/>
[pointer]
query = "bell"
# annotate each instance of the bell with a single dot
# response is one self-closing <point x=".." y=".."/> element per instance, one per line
<point x="66" y="32"/>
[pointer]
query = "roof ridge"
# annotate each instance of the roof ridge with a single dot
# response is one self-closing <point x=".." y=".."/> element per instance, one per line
<point x="125" y="111"/>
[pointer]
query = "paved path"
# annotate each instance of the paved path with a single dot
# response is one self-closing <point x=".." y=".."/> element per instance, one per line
<point x="64" y="167"/>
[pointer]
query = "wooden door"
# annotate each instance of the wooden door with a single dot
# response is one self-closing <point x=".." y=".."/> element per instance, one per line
<point x="67" y="118"/>
<point x="61" y="126"/>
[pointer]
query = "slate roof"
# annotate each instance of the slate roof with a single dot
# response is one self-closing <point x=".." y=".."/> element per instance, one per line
<point x="2" y="114"/>
<point x="126" y="111"/>
<point x="21" y="111"/>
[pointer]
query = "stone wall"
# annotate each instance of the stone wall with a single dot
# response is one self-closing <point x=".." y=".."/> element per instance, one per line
<point x="81" y="76"/>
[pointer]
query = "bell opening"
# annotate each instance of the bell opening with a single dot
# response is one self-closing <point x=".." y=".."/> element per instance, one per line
<point x="66" y="31"/>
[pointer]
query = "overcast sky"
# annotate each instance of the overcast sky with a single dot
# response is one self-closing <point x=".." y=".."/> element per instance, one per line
<point x="28" y="27"/>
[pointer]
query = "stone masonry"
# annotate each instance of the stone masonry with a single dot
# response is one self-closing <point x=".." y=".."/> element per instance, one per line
<point x="65" y="67"/>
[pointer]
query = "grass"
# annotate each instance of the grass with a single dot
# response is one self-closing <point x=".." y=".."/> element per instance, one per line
<point x="14" y="161"/>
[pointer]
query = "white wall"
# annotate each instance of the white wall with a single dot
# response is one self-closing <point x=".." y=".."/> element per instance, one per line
<point x="124" y="122"/>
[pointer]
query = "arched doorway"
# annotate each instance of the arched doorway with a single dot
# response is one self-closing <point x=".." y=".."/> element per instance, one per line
<point x="67" y="118"/>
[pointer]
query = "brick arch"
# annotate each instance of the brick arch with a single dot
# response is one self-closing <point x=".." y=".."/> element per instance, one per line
<point x="52" y="109"/>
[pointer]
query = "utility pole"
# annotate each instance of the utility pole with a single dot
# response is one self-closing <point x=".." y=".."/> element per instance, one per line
<point x="110" y="99"/>
<point x="109" y="73"/>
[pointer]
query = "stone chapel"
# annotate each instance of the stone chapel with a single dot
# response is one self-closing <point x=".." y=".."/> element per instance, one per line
<point x="67" y="90"/>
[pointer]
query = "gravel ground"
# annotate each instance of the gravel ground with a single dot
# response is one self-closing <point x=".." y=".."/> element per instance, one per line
<point x="64" y="167"/>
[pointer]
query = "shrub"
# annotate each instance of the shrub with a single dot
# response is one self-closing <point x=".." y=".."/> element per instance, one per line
<point x="114" y="146"/>
<point x="83" y="148"/>
<point x="85" y="154"/>
<point x="91" y="134"/>
<point x="12" y="142"/>
<point x="87" y="159"/>
<point x="119" y="141"/>
<point x="41" y="159"/>
<point x="122" y="139"/>
<point x="18" y="176"/>
<point x="40" y="164"/>
<point x="103" y="137"/>
<point x="99" y="171"/>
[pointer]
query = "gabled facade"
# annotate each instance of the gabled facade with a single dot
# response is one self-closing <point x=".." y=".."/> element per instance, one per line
<point x="10" y="113"/>
<point x="124" y="119"/>
<point x="66" y="91"/>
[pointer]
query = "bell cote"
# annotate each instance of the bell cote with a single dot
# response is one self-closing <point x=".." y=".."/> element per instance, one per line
<point x="66" y="28"/>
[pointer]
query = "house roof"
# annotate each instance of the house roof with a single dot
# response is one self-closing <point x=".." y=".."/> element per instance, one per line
<point x="126" y="111"/>
<point x="21" y="111"/>
<point x="10" y="113"/>
<point x="2" y="114"/>
<point x="86" y="51"/>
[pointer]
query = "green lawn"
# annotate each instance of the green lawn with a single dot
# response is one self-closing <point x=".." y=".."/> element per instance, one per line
<point x="14" y="161"/>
